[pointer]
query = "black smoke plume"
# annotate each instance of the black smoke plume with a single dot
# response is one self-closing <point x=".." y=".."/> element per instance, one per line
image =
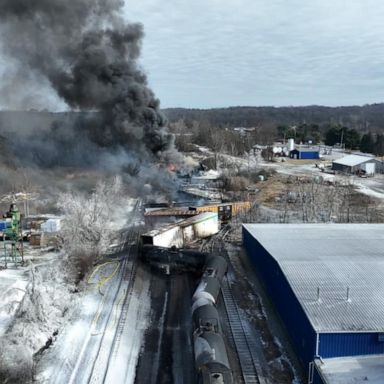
<point x="89" y="55"/>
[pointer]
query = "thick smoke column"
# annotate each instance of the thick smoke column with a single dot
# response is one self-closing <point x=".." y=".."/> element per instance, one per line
<point x="88" y="53"/>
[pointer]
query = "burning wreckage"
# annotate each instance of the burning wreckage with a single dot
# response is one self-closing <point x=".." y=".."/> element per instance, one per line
<point x="86" y="55"/>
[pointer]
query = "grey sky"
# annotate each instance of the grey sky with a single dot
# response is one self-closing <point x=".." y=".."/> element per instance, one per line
<point x="213" y="53"/>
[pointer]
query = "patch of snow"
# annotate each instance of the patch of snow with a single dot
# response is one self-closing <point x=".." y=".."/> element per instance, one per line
<point x="13" y="283"/>
<point x="203" y="149"/>
<point x="41" y="312"/>
<point x="369" y="191"/>
<point x="82" y="352"/>
<point x="124" y="364"/>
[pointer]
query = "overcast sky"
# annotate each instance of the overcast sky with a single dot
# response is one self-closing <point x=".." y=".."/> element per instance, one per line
<point x="217" y="53"/>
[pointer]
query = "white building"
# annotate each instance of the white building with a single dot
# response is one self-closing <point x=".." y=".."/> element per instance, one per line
<point x="355" y="164"/>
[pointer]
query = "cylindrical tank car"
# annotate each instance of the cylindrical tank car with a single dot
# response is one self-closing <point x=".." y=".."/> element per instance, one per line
<point x="212" y="360"/>
<point x="206" y="319"/>
<point x="216" y="266"/>
<point x="208" y="288"/>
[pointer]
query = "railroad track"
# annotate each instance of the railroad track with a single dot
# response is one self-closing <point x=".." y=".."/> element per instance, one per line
<point x="129" y="277"/>
<point x="105" y="339"/>
<point x="245" y="344"/>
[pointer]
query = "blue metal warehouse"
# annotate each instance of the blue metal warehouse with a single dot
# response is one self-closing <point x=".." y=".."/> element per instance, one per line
<point x="327" y="284"/>
<point x="304" y="154"/>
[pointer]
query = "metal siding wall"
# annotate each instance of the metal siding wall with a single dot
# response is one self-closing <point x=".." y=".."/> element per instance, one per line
<point x="349" y="344"/>
<point x="299" y="328"/>
<point x="341" y="168"/>
<point x="309" y="155"/>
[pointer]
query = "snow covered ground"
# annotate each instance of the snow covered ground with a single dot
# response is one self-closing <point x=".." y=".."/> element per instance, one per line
<point x="373" y="187"/>
<point x="13" y="283"/>
<point x="87" y="349"/>
<point x="37" y="304"/>
<point x="122" y="366"/>
<point x="356" y="370"/>
<point x="37" y="312"/>
<point x="83" y="351"/>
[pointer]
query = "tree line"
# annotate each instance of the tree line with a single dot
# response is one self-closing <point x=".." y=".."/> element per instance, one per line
<point x="236" y="142"/>
<point x="352" y="139"/>
<point x="362" y="118"/>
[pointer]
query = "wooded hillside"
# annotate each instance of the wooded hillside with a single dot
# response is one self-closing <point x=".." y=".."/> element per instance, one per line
<point x="362" y="118"/>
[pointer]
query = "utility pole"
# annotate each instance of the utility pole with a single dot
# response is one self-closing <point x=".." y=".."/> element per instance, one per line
<point x="341" y="139"/>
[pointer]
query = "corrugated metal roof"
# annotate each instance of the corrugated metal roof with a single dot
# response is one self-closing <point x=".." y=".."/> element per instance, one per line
<point x="331" y="257"/>
<point x="352" y="160"/>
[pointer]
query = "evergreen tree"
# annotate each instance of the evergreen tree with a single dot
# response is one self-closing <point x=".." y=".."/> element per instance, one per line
<point x="379" y="145"/>
<point x="367" y="143"/>
<point x="351" y="138"/>
<point x="333" y="136"/>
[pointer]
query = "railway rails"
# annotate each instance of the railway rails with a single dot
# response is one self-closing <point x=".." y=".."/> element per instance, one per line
<point x="245" y="346"/>
<point x="101" y="346"/>
<point x="107" y="349"/>
<point x="244" y="343"/>
<point x="101" y="360"/>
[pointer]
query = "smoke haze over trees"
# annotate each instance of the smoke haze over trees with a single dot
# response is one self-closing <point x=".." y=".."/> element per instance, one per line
<point x="87" y="54"/>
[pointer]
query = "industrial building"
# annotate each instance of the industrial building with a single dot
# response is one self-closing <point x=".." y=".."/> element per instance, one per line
<point x="178" y="234"/>
<point x="355" y="164"/>
<point x="326" y="283"/>
<point x="304" y="154"/>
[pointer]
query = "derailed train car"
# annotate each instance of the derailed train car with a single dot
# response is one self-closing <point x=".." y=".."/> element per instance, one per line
<point x="172" y="259"/>
<point x="211" y="356"/>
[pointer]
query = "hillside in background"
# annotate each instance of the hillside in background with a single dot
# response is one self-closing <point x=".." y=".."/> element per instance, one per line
<point x="362" y="118"/>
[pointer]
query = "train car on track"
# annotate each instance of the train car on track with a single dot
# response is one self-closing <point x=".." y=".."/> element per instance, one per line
<point x="199" y="303"/>
<point x="216" y="266"/>
<point x="210" y="352"/>
<point x="205" y="318"/>
<point x="208" y="288"/>
<point x="211" y="359"/>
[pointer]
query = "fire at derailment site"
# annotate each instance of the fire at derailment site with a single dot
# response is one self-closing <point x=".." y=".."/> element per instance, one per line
<point x="231" y="235"/>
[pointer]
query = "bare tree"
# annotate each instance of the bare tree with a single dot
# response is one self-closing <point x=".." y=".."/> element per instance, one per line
<point x="87" y="226"/>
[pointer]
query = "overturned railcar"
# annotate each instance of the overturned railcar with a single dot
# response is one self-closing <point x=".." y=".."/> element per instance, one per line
<point x="174" y="259"/>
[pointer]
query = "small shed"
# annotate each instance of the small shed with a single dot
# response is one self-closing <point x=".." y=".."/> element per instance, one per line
<point x="304" y="154"/>
<point x="355" y="164"/>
